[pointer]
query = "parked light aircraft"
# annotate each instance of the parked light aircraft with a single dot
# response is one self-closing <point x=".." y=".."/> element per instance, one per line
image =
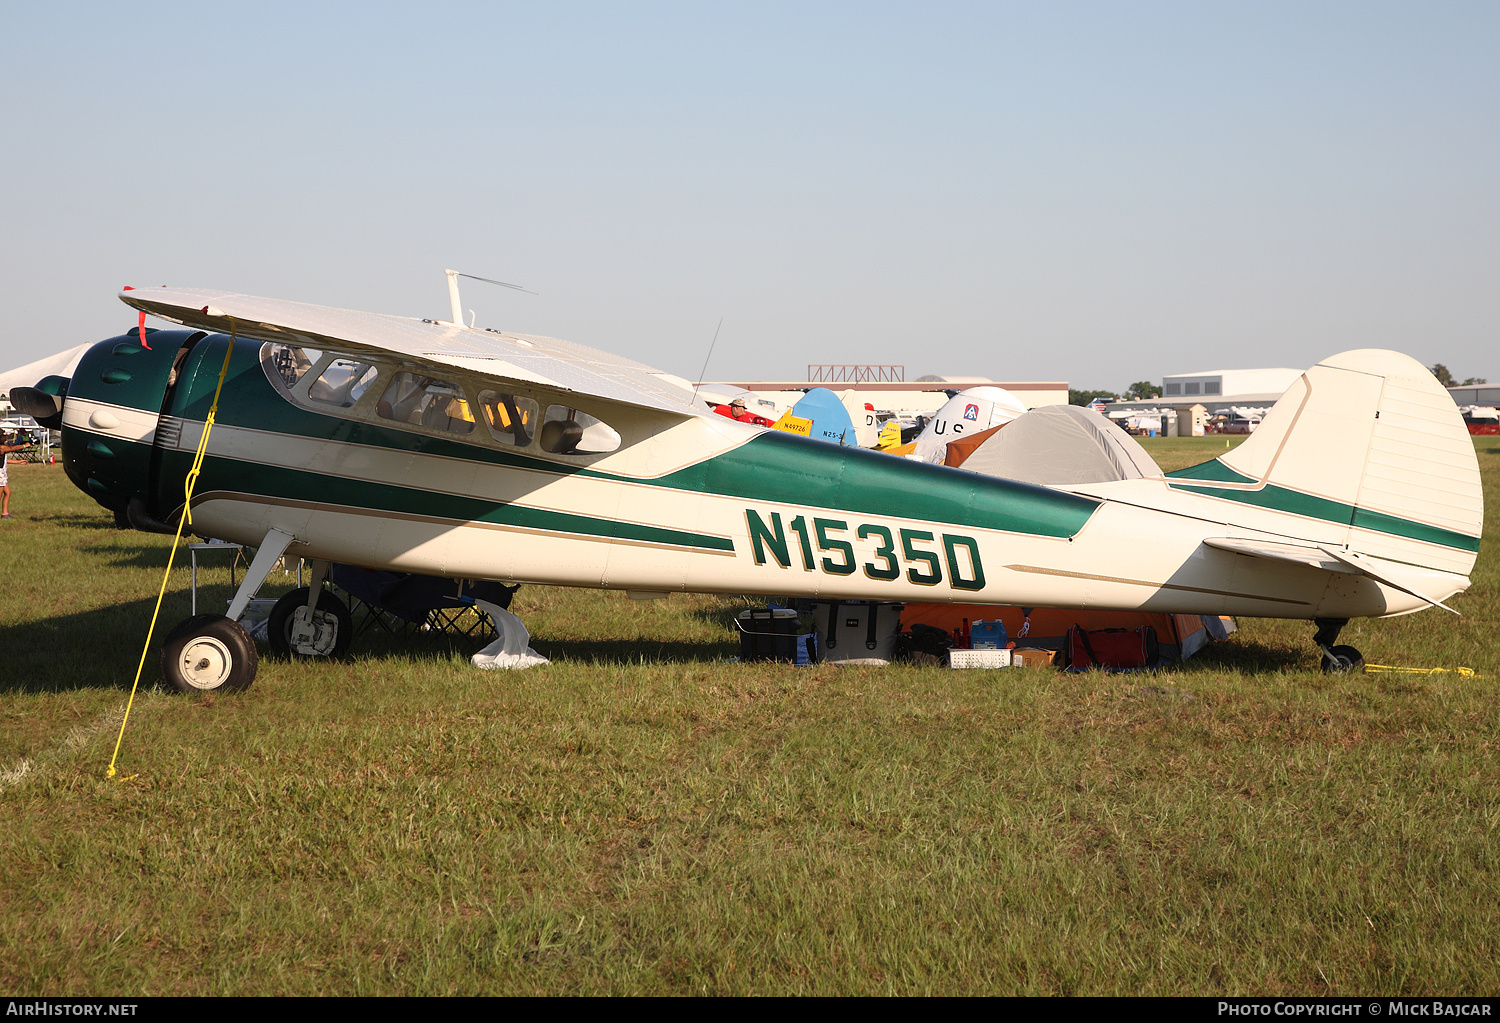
<point x="432" y="447"/>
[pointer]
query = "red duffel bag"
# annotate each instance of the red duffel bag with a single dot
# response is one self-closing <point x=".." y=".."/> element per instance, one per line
<point x="1112" y="648"/>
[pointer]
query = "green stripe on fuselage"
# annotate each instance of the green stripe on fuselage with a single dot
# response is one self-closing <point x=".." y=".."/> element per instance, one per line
<point x="1213" y="470"/>
<point x="779" y="468"/>
<point x="1281" y="499"/>
<point x="1380" y="522"/>
<point x="273" y="481"/>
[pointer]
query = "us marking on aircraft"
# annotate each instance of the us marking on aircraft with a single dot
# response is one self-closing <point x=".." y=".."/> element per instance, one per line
<point x="431" y="447"/>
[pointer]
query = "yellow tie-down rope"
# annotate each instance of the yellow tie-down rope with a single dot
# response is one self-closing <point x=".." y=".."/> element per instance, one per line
<point x="185" y="520"/>
<point x="1377" y="669"/>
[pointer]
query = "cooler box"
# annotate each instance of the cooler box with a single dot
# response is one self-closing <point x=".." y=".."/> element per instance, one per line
<point x="987" y="635"/>
<point x="851" y="632"/>
<point x="770" y="634"/>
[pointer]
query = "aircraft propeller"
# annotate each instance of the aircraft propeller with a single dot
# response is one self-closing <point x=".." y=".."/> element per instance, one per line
<point x="44" y="402"/>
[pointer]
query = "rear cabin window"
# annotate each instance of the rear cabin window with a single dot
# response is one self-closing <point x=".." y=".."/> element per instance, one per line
<point x="567" y="431"/>
<point x="426" y="401"/>
<point x="512" y="418"/>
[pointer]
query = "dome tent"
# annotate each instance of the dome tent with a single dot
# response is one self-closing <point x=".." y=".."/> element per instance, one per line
<point x="1060" y="445"/>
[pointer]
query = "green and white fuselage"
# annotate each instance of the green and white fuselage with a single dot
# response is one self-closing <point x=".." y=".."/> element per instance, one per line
<point x="1356" y="497"/>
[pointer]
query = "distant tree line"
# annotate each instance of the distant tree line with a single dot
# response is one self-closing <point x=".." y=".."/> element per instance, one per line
<point x="1087" y="397"/>
<point x="1139" y="389"/>
<point x="1446" y="379"/>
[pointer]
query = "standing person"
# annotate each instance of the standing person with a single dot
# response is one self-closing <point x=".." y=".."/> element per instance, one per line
<point x="6" y="447"/>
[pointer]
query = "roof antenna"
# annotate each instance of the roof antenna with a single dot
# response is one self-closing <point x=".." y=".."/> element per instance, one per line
<point x="710" y="355"/>
<point x="458" y="309"/>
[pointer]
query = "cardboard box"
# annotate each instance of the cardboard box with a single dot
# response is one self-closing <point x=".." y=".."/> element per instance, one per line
<point x="1031" y="657"/>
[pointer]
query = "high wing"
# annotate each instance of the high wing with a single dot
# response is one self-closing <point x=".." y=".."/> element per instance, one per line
<point x="517" y="357"/>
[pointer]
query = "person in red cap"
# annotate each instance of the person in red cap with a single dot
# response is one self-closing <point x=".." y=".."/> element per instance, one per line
<point x="737" y="409"/>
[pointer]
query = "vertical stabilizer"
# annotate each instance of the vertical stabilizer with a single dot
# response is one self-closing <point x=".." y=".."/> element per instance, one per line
<point x="1370" y="439"/>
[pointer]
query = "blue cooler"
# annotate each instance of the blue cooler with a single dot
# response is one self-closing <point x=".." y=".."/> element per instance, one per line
<point x="987" y="635"/>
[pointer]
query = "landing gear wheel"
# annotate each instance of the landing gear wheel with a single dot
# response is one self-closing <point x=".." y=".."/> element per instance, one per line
<point x="1342" y="660"/>
<point x="327" y="635"/>
<point x="207" y="653"/>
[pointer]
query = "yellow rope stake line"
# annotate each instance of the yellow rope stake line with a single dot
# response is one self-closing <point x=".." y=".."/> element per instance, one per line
<point x="1376" y="669"/>
<point x="185" y="519"/>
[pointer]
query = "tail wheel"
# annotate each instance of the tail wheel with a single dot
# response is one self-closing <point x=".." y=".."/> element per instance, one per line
<point x="207" y="653"/>
<point x="1342" y="660"/>
<point x="327" y="633"/>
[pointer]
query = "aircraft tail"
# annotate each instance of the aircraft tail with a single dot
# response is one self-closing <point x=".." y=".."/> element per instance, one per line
<point x="1369" y="442"/>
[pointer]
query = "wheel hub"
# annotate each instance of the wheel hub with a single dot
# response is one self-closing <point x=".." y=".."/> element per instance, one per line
<point x="206" y="663"/>
<point x="315" y="636"/>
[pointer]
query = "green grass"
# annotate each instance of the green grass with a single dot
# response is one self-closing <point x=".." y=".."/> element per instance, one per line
<point x="642" y="816"/>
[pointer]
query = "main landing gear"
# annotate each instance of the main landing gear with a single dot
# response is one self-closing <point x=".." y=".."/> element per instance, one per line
<point x="1337" y="660"/>
<point x="209" y="652"/>
<point x="206" y="653"/>
<point x="298" y="628"/>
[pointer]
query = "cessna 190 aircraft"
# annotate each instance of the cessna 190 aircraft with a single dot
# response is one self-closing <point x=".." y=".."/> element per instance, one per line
<point x="432" y="447"/>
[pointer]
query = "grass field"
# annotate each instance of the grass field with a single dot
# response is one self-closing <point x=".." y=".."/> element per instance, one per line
<point x="642" y="816"/>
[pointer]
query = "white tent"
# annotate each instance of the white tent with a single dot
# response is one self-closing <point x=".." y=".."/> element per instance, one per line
<point x="62" y="364"/>
<point x="1057" y="445"/>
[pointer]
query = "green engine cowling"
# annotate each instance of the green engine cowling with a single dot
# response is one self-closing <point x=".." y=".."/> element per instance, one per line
<point x="111" y="407"/>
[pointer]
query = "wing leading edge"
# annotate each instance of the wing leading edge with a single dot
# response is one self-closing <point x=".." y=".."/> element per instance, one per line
<point x="518" y="357"/>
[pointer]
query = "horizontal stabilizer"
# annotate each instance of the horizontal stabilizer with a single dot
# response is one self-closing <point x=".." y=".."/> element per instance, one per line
<point x="1392" y="574"/>
<point x="1314" y="557"/>
<point x="1404" y="578"/>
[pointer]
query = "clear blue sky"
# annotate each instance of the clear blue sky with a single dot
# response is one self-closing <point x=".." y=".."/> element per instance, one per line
<point x="1096" y="192"/>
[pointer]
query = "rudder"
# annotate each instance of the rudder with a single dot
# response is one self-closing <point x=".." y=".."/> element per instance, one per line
<point x="1371" y="435"/>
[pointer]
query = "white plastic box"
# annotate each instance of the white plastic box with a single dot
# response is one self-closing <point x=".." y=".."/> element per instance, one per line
<point x="979" y="658"/>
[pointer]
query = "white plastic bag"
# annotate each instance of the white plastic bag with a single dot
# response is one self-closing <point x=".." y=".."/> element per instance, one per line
<point x="511" y="649"/>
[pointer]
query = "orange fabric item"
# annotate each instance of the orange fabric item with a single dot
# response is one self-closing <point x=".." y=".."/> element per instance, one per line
<point x="960" y="449"/>
<point x="1048" y="622"/>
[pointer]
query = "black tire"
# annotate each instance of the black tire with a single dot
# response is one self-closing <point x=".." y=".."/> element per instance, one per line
<point x="1343" y="660"/>
<point x="208" y="653"/>
<point x="333" y="615"/>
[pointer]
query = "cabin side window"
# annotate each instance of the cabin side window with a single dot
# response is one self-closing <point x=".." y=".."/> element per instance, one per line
<point x="426" y="401"/>
<point x="567" y="431"/>
<point x="332" y="383"/>
<point x="512" y="418"/>
<point x="343" y="382"/>
<point x="290" y="362"/>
